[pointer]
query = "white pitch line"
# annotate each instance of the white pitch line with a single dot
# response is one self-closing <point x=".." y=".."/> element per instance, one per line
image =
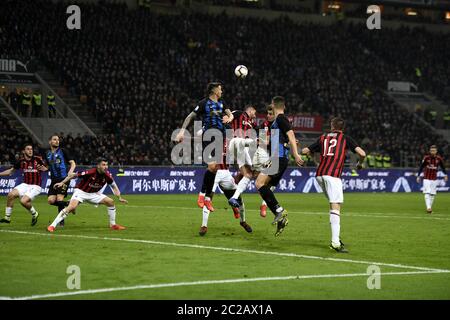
<point x="206" y="282"/>
<point x="345" y="214"/>
<point x="196" y="246"/>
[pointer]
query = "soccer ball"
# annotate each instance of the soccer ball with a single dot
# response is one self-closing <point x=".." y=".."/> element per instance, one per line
<point x="241" y="71"/>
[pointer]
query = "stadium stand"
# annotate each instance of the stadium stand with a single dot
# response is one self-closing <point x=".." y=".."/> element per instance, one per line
<point x="142" y="73"/>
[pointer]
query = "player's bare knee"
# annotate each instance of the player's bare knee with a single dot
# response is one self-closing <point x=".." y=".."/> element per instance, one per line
<point x="25" y="201"/>
<point x="11" y="196"/>
<point x="109" y="202"/>
<point x="51" y="201"/>
<point x="259" y="183"/>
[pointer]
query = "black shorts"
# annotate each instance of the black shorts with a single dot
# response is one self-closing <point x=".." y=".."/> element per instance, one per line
<point x="212" y="157"/>
<point x="282" y="166"/>
<point x="53" y="192"/>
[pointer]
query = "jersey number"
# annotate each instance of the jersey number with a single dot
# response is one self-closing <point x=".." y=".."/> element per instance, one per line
<point x="329" y="150"/>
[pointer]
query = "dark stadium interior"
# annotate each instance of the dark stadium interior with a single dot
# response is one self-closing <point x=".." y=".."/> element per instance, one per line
<point x="141" y="73"/>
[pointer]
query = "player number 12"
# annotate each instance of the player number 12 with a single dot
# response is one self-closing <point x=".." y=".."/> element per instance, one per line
<point x="330" y="150"/>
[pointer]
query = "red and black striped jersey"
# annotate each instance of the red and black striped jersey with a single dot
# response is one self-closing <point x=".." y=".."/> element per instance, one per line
<point x="332" y="147"/>
<point x="31" y="174"/>
<point x="241" y="124"/>
<point x="430" y="166"/>
<point x="224" y="165"/>
<point x="92" y="181"/>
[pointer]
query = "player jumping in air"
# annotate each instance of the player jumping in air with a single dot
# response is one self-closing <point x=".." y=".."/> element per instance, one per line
<point x="211" y="110"/>
<point x="332" y="147"/>
<point x="430" y="166"/>
<point x="268" y="178"/>
<point x="87" y="189"/>
<point x="32" y="167"/>
<point x="261" y="158"/>
<point x="58" y="160"/>
<point x="242" y="123"/>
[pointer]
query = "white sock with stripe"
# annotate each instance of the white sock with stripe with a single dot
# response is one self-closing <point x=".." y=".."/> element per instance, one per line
<point x="60" y="217"/>
<point x="241" y="187"/>
<point x="33" y="211"/>
<point x="242" y="212"/>
<point x="431" y="200"/>
<point x="427" y="200"/>
<point x="8" y="212"/>
<point x="205" y="217"/>
<point x="112" y="215"/>
<point x="335" y="221"/>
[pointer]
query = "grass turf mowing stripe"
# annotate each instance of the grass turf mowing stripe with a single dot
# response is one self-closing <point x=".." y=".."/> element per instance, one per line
<point x="206" y="282"/>
<point x="186" y="245"/>
<point x="346" y="214"/>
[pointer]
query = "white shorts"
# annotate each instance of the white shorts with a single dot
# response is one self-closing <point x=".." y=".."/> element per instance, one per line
<point x="240" y="152"/>
<point x="82" y="196"/>
<point x="332" y="187"/>
<point x="225" y="180"/>
<point x="261" y="159"/>
<point x="429" y="186"/>
<point x="29" y="190"/>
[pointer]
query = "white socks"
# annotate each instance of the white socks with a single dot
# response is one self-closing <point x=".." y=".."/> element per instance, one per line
<point x="241" y="187"/>
<point x="429" y="198"/>
<point x="33" y="211"/>
<point x="242" y="212"/>
<point x="205" y="217"/>
<point x="335" y="221"/>
<point x="8" y="212"/>
<point x="112" y="215"/>
<point x="60" y="217"/>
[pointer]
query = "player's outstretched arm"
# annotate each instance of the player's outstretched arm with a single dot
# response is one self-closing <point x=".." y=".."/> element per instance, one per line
<point x="443" y="170"/>
<point x="294" y="150"/>
<point x="230" y="115"/>
<point x="306" y="151"/>
<point x="362" y="155"/>
<point x="69" y="177"/>
<point x="116" y="191"/>
<point x="7" y="172"/>
<point x="186" y="123"/>
<point x="422" y="166"/>
<point x="72" y="166"/>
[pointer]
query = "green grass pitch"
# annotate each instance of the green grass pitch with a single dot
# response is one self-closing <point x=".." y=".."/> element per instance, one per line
<point x="162" y="256"/>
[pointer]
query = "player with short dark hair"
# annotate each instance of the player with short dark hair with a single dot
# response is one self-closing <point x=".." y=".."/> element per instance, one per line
<point x="266" y="179"/>
<point x="430" y="166"/>
<point x="332" y="147"/>
<point x="88" y="189"/>
<point x="32" y="167"/>
<point x="211" y="110"/>
<point x="58" y="160"/>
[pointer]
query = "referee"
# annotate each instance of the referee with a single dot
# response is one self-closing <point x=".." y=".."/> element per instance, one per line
<point x="58" y="160"/>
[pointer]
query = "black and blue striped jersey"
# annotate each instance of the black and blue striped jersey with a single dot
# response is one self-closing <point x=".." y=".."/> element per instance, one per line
<point x="211" y="113"/>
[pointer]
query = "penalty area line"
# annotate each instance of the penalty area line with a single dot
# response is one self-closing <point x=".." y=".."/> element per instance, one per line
<point x="208" y="282"/>
<point x="345" y="214"/>
<point x="196" y="246"/>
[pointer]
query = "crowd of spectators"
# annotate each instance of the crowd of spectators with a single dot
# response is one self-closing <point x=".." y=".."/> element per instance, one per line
<point x="143" y="73"/>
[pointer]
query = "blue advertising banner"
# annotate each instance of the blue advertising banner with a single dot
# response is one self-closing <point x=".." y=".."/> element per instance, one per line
<point x="172" y="180"/>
